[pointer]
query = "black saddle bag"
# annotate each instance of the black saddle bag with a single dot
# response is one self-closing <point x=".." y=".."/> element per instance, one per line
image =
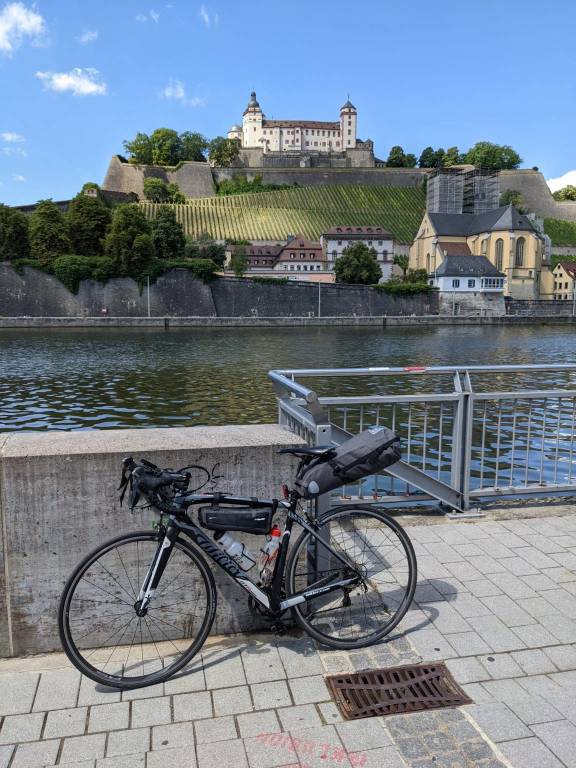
<point x="220" y="518"/>
<point x="364" y="454"/>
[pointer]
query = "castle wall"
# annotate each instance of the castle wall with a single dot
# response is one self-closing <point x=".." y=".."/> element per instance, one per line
<point x="193" y="179"/>
<point x="536" y="193"/>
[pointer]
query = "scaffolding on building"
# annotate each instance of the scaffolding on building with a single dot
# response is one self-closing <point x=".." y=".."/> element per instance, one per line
<point x="463" y="190"/>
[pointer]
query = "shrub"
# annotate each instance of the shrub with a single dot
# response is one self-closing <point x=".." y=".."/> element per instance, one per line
<point x="561" y="232"/>
<point x="201" y="269"/>
<point x="158" y="191"/>
<point x="396" y="287"/>
<point x="70" y="270"/>
<point x="264" y="280"/>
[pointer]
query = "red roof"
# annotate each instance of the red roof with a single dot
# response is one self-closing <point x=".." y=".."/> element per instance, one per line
<point x="455" y="249"/>
<point x="569" y="267"/>
<point x="358" y="232"/>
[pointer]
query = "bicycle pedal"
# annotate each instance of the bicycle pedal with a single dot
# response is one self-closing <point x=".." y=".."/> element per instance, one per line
<point x="278" y="628"/>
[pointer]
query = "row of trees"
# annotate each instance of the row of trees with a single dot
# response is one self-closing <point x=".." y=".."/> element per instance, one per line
<point x="358" y="265"/>
<point x="483" y="154"/>
<point x="565" y="194"/>
<point x="164" y="146"/>
<point x="91" y="240"/>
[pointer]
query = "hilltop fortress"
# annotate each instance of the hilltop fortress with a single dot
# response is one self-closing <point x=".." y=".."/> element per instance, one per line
<point x="311" y="153"/>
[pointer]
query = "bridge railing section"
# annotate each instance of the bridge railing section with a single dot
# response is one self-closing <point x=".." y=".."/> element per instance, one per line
<point x="468" y="433"/>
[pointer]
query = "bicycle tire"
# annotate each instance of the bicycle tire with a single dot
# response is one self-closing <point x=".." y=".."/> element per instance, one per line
<point x="301" y="611"/>
<point x="164" y="673"/>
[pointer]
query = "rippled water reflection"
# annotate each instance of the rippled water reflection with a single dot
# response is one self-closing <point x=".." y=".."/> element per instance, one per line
<point x="86" y="379"/>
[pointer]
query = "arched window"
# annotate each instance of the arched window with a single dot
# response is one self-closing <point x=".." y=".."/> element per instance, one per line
<point x="519" y="259"/>
<point x="499" y="254"/>
<point x="428" y="263"/>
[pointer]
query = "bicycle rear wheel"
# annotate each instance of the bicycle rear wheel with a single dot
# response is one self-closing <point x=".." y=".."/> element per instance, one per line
<point x="102" y="634"/>
<point x="380" y="551"/>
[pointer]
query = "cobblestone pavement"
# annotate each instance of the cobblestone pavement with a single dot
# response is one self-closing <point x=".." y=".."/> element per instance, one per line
<point x="496" y="600"/>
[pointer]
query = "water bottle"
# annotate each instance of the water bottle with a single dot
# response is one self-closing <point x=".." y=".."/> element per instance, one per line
<point x="269" y="554"/>
<point x="237" y="551"/>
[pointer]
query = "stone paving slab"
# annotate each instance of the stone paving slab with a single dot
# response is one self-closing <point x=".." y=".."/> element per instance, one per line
<point x="496" y="600"/>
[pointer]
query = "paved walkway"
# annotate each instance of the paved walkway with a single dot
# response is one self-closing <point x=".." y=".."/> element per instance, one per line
<point x="497" y="600"/>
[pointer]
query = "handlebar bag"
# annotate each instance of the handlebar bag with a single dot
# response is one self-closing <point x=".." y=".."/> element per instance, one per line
<point x="364" y="454"/>
<point x="218" y="518"/>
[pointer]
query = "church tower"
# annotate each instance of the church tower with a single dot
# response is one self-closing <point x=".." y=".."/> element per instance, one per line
<point x="348" y="119"/>
<point x="252" y="123"/>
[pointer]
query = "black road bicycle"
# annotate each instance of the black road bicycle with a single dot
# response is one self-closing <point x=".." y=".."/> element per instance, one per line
<point x="137" y="609"/>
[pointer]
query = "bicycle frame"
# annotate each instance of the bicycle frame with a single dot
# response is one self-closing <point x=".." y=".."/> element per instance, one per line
<point x="270" y="599"/>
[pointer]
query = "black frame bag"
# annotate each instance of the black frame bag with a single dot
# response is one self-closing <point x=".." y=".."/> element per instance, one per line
<point x="364" y="454"/>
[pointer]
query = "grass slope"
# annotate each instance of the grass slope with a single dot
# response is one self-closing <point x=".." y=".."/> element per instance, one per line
<point x="309" y="211"/>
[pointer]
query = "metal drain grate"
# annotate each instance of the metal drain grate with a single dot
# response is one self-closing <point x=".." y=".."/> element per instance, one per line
<point x="395" y="690"/>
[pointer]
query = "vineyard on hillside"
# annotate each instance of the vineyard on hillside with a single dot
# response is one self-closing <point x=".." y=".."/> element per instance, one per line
<point x="309" y="211"/>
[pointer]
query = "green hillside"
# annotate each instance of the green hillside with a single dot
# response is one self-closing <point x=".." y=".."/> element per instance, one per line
<point x="309" y="211"/>
<point x="561" y="232"/>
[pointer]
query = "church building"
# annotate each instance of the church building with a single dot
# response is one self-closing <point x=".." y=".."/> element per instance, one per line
<point x="295" y="135"/>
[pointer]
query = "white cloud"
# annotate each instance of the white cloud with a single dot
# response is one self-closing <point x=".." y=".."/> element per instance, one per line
<point x="17" y="22"/>
<point x="10" y="137"/>
<point x="562" y="181"/>
<point x="88" y="37"/>
<point x="18" y="177"/>
<point x="176" y="91"/>
<point x="209" y="18"/>
<point x="80" y="82"/>
<point x="150" y="16"/>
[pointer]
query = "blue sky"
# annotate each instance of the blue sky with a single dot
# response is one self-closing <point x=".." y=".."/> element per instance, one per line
<point x="77" y="78"/>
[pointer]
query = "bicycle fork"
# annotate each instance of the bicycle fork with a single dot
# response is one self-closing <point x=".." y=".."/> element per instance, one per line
<point x="155" y="571"/>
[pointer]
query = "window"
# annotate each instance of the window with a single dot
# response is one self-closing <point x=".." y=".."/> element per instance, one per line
<point x="428" y="262"/>
<point x="455" y="283"/>
<point x="334" y="254"/>
<point x="369" y="242"/>
<point x="499" y="254"/>
<point x="379" y="242"/>
<point x="302" y="255"/>
<point x="519" y="258"/>
<point x="349" y="132"/>
<point x="339" y="242"/>
<point x="471" y="283"/>
<point x="292" y="255"/>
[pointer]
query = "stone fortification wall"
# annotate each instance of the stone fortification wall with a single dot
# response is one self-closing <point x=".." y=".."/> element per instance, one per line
<point x="177" y="294"/>
<point x="385" y="177"/>
<point x="193" y="179"/>
<point x="58" y="501"/>
<point x="536" y="193"/>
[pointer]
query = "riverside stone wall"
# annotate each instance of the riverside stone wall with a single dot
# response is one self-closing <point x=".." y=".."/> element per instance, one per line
<point x="178" y="294"/>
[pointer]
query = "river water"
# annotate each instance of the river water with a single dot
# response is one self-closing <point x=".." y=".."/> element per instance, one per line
<point x="102" y="379"/>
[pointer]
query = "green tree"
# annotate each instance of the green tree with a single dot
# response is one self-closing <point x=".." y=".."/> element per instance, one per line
<point x="193" y="146"/>
<point x="238" y="261"/>
<point x="139" y="149"/>
<point x="513" y="197"/>
<point x="158" y="191"/>
<point x="495" y="157"/>
<point x="452" y="157"/>
<point x="168" y="235"/>
<point x="402" y="261"/>
<point x="216" y="252"/>
<point x="566" y="193"/>
<point x="166" y="146"/>
<point x="410" y="161"/>
<point x="14" y="234"/>
<point x="417" y="276"/>
<point x="439" y="156"/>
<point x="48" y="232"/>
<point x="357" y="265"/>
<point x="128" y="223"/>
<point x="427" y="158"/>
<point x="224" y="152"/>
<point x="140" y="255"/>
<point x="70" y="270"/>
<point x="88" y="221"/>
<point x="396" y="158"/>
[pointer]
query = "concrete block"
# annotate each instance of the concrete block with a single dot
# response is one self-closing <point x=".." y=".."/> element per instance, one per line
<point x="147" y="712"/>
<point x="498" y="722"/>
<point x="529" y="753"/>
<point x="78" y="748"/>
<point x="123" y="761"/>
<point x="130" y="742"/>
<point x="563" y="656"/>
<point x="18" y="693"/>
<point x="109" y="717"/>
<point x="468" y="670"/>
<point x="65" y="722"/>
<point x="6" y="755"/>
<point x="17" y="728"/>
<point x="182" y="757"/>
<point x="192" y="706"/>
<point x="468" y="643"/>
<point x="36" y="753"/>
<point x="534" y="709"/>
<point x="222" y="754"/>
<point x="274" y="694"/>
<point x="534" y="662"/>
<point x="300" y="657"/>
<point x="302" y="716"/>
<point x="223" y="669"/>
<point x="58" y="689"/>
<point x="363" y="734"/>
<point x="257" y="723"/>
<point x="92" y="693"/>
<point x="271" y="752"/>
<point x="560" y="738"/>
<point x="308" y="690"/>
<point x="173" y="736"/>
<point x="217" y="729"/>
<point x="232" y="701"/>
<point x="385" y="757"/>
<point x="262" y="663"/>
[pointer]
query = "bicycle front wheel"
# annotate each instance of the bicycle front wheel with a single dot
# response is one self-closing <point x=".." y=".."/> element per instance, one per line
<point x="379" y="550"/>
<point x="100" y="629"/>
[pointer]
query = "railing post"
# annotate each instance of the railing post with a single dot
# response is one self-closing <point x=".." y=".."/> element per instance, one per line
<point x="461" y="439"/>
<point x="320" y="556"/>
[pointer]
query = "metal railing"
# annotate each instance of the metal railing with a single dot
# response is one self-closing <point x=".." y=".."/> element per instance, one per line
<point x="477" y="432"/>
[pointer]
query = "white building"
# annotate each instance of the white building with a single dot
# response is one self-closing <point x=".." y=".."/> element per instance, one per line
<point x="338" y="238"/>
<point x="295" y="135"/>
<point x="469" y="284"/>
